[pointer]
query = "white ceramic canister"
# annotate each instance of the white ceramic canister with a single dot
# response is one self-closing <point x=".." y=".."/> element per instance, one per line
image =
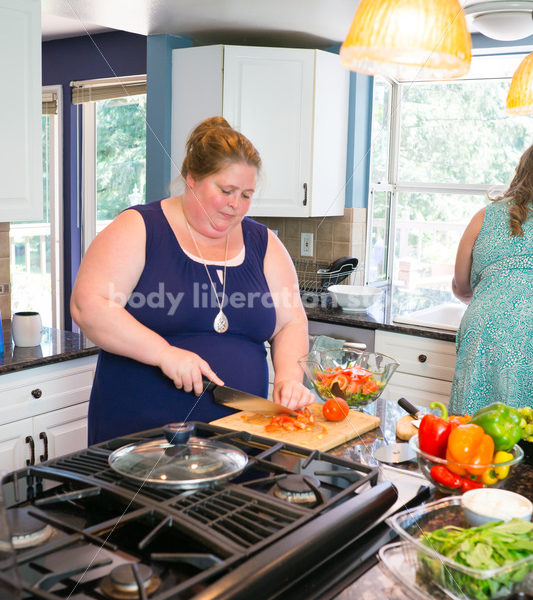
<point x="26" y="329"/>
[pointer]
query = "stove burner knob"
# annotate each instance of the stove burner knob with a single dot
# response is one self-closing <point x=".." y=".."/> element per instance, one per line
<point x="178" y="433"/>
<point x="37" y="393"/>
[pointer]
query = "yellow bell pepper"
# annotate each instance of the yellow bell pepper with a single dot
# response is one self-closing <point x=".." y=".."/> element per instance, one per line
<point x="489" y="477"/>
<point x="492" y="475"/>
<point x="501" y="457"/>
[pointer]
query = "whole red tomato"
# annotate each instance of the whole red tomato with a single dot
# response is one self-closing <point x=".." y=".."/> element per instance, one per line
<point x="335" y="409"/>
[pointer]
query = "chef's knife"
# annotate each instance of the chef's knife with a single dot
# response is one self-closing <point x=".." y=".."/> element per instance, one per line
<point x="412" y="410"/>
<point x="244" y="401"/>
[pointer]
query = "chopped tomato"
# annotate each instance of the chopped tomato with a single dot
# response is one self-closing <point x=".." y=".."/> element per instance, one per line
<point x="353" y="387"/>
<point x="303" y="420"/>
<point x="354" y="384"/>
<point x="335" y="409"/>
<point x="341" y="380"/>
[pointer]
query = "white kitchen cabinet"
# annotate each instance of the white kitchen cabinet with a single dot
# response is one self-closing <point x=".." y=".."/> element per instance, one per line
<point x="21" y="175"/>
<point x="291" y="103"/>
<point x="45" y="407"/>
<point x="426" y="367"/>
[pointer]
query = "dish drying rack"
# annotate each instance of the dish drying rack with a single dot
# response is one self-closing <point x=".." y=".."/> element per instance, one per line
<point x="314" y="277"/>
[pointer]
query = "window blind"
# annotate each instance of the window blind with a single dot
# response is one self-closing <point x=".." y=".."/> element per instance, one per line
<point x="49" y="103"/>
<point x="105" y="89"/>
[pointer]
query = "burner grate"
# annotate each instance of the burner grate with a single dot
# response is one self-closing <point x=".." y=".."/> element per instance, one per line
<point x="245" y="519"/>
<point x="89" y="463"/>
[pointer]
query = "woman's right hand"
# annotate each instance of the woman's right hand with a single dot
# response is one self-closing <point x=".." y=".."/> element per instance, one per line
<point x="186" y="369"/>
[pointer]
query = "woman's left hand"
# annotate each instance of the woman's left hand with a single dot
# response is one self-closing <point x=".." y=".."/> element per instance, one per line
<point x="292" y="394"/>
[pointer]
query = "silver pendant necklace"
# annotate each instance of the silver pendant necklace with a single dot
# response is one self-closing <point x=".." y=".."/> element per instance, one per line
<point x="220" y="324"/>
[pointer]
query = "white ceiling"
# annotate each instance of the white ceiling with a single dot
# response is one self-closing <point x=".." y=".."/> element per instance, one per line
<point x="297" y="22"/>
<point x="321" y="22"/>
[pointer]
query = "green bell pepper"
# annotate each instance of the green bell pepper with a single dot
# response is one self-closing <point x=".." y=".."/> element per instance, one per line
<point x="501" y="422"/>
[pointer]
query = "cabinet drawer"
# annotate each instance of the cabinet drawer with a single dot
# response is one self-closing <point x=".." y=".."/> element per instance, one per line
<point x="418" y="356"/>
<point x="35" y="391"/>
<point x="421" y="391"/>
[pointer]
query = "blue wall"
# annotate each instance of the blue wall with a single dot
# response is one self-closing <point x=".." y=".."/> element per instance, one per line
<point x="158" y="113"/>
<point x="72" y="59"/>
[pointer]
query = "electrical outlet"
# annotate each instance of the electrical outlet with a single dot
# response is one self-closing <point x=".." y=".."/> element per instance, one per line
<point x="306" y="244"/>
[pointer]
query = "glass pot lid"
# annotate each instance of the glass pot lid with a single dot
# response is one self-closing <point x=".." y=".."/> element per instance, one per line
<point x="191" y="464"/>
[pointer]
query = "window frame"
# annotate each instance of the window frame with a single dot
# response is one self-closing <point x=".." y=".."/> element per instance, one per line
<point x="55" y="195"/>
<point x="56" y="209"/>
<point x="89" y="142"/>
<point x="394" y="186"/>
<point x="88" y="158"/>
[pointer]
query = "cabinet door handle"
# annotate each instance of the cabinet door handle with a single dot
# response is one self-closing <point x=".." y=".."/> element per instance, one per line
<point x="36" y="393"/>
<point x="31" y="460"/>
<point x="44" y="437"/>
<point x="354" y="345"/>
<point x="305" y="194"/>
<point x="422" y="358"/>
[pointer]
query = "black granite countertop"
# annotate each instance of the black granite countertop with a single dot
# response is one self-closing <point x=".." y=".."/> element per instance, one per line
<point x="56" y="346"/>
<point x="377" y="583"/>
<point x="394" y="301"/>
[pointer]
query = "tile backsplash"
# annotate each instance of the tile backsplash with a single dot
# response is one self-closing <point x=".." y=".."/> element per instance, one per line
<point x="5" y="275"/>
<point x="333" y="237"/>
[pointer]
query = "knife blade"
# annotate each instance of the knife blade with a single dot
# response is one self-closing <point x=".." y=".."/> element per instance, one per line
<point x="240" y="400"/>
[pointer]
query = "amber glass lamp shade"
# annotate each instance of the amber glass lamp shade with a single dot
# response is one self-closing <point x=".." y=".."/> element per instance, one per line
<point x="408" y="40"/>
<point x="520" y="96"/>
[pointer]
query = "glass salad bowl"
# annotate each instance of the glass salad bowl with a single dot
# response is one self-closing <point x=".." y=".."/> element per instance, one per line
<point x="456" y="478"/>
<point x="357" y="376"/>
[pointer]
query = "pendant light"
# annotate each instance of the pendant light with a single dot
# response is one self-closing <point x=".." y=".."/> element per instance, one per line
<point x="408" y="39"/>
<point x="520" y="96"/>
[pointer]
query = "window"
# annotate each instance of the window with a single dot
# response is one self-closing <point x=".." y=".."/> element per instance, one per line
<point x="114" y="149"/>
<point x="437" y="149"/>
<point x="36" y="247"/>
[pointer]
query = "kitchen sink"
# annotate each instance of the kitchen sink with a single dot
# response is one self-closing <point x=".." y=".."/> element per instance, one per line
<point x="442" y="316"/>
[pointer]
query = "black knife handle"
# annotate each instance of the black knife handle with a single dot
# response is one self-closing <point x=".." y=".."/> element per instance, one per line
<point x="208" y="385"/>
<point x="410" y="408"/>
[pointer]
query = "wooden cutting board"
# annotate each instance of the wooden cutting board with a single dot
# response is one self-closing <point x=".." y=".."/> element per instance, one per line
<point x="324" y="436"/>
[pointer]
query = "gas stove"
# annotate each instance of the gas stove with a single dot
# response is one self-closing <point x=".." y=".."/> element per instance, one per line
<point x="82" y="531"/>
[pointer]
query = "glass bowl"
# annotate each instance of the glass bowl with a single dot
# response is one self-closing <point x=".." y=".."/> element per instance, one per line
<point x="471" y="477"/>
<point x="527" y="447"/>
<point x="357" y="376"/>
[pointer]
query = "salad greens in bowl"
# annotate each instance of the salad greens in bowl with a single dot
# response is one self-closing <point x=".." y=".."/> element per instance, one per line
<point x="471" y="563"/>
<point x="357" y="376"/>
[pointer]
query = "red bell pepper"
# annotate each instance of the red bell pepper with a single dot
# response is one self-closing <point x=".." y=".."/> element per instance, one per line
<point x="434" y="431"/>
<point x="440" y="474"/>
<point x="470" y="484"/>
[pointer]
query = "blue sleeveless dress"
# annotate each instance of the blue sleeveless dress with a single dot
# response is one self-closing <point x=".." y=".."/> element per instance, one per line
<point x="495" y="338"/>
<point x="174" y="298"/>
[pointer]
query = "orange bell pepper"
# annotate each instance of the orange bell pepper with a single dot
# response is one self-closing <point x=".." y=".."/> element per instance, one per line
<point x="469" y="445"/>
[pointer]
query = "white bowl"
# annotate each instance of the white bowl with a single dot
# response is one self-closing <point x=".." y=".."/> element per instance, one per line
<point x="355" y="298"/>
<point x="484" y="505"/>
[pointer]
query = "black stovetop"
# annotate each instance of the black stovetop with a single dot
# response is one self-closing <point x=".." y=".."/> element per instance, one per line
<point x="235" y="540"/>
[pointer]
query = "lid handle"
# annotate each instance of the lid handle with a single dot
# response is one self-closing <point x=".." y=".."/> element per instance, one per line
<point x="178" y="434"/>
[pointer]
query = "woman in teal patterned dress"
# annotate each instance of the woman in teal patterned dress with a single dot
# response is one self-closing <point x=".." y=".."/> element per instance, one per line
<point x="494" y="276"/>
